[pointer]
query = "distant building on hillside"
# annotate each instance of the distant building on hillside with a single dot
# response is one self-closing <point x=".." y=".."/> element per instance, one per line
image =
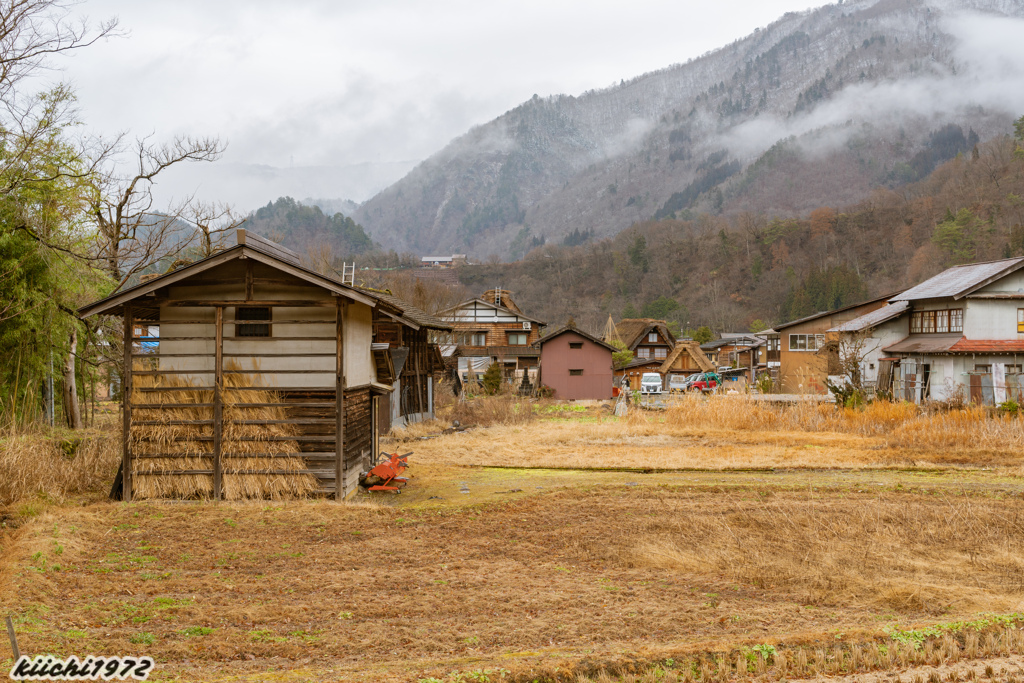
<point x="443" y="261"/>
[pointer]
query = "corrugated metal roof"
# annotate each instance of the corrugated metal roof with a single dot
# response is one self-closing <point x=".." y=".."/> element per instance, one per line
<point x="925" y="343"/>
<point x="874" y="318"/>
<point x="959" y="280"/>
<point x="822" y="314"/>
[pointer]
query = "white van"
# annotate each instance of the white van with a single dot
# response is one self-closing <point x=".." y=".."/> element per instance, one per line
<point x="650" y="383"/>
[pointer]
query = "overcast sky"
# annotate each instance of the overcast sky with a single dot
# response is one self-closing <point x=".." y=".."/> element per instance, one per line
<point x="338" y="99"/>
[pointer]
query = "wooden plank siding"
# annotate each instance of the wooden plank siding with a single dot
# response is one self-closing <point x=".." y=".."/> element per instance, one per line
<point x="333" y="425"/>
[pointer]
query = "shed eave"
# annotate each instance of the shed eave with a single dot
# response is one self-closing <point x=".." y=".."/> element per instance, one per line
<point x="236" y="252"/>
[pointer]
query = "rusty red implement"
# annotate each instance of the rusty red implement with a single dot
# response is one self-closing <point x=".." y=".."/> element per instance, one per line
<point x="385" y="476"/>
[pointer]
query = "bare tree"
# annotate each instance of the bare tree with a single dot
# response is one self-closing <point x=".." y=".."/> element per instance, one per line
<point x="131" y="235"/>
<point x="212" y="222"/>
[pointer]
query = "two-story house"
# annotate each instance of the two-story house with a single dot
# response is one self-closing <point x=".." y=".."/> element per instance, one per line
<point x="963" y="334"/>
<point x="803" y="360"/>
<point x="493" y="329"/>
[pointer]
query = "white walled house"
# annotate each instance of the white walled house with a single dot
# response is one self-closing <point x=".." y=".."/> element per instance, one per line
<point x="865" y="338"/>
<point x="962" y="332"/>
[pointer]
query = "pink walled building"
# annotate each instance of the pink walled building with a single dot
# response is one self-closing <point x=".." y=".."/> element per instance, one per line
<point x="576" y="365"/>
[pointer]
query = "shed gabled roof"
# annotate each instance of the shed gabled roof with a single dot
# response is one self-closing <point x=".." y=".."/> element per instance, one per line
<point x="959" y="281"/>
<point x="693" y="348"/>
<point x="632" y="330"/>
<point x="572" y="328"/>
<point x="414" y="314"/>
<point x="257" y="249"/>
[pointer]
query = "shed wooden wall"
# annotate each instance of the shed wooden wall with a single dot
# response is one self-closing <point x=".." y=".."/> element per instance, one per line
<point x="175" y="334"/>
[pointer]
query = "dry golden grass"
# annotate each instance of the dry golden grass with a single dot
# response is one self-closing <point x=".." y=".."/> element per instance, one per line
<point x="736" y="432"/>
<point x="180" y="441"/>
<point x="945" y="658"/>
<point x="547" y="587"/>
<point x="56" y="465"/>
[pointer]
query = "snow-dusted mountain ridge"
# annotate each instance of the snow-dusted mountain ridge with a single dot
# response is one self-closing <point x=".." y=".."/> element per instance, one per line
<point x="816" y="109"/>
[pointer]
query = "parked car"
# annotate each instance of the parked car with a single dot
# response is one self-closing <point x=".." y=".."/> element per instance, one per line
<point x="679" y="382"/>
<point x="650" y="383"/>
<point x="704" y="382"/>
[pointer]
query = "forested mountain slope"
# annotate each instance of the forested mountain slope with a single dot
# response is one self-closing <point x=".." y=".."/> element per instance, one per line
<point x="734" y="273"/>
<point x="303" y="227"/>
<point x="818" y="108"/>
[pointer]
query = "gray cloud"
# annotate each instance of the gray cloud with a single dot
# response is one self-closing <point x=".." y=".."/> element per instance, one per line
<point x="315" y="83"/>
<point x="989" y="57"/>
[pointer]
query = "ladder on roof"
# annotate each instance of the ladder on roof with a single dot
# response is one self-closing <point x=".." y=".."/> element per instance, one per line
<point x="348" y="274"/>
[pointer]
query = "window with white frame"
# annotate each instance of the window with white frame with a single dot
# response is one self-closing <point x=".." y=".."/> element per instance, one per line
<point x="937" y="322"/>
<point x="653" y="337"/>
<point x="806" y="342"/>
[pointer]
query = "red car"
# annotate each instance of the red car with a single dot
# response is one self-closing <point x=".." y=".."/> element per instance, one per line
<point x="704" y="382"/>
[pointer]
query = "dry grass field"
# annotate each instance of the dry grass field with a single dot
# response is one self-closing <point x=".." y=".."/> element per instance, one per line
<point x="718" y="543"/>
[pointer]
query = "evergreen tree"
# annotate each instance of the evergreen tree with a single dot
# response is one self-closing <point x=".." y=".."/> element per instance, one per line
<point x="492" y="379"/>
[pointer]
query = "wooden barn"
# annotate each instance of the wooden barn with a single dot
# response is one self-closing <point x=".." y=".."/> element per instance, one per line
<point x="248" y="375"/>
<point x="415" y="360"/>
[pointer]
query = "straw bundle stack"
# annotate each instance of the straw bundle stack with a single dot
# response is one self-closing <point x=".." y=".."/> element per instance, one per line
<point x="183" y="445"/>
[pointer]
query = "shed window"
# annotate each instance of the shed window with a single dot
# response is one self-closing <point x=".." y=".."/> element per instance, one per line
<point x="653" y="337"/>
<point x="252" y="329"/>
<point x="643" y="352"/>
<point x="576" y="372"/>
<point x="575" y="345"/>
<point x="660" y="352"/>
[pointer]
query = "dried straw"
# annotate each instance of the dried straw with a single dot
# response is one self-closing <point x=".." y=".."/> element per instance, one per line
<point x="187" y="452"/>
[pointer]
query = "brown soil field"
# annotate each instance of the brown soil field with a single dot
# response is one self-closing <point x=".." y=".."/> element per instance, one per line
<point x="569" y="578"/>
<point x="713" y="541"/>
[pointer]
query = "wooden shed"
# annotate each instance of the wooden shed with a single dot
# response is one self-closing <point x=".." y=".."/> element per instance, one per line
<point x="575" y="364"/>
<point x="415" y="360"/>
<point x="248" y="374"/>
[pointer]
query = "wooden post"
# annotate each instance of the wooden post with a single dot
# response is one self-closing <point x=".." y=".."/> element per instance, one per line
<point x="248" y="279"/>
<point x="126" y="402"/>
<point x="218" y="407"/>
<point x="14" y="640"/>
<point x="339" y="412"/>
<point x="421" y="389"/>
